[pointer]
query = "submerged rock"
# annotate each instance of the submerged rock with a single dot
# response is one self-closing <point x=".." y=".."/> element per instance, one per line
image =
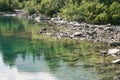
<point x="113" y="52"/>
<point x="116" y="78"/>
<point x="43" y="30"/>
<point x="117" y="61"/>
<point x="103" y="52"/>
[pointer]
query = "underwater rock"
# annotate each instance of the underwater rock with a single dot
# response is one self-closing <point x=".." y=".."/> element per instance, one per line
<point x="103" y="52"/>
<point x="117" y="61"/>
<point x="43" y="30"/>
<point x="113" y="52"/>
<point x="116" y="78"/>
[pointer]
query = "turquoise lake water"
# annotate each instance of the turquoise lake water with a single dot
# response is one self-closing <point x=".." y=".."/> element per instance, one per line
<point x="24" y="58"/>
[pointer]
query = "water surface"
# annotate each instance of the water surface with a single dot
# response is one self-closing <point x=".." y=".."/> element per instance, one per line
<point x="25" y="58"/>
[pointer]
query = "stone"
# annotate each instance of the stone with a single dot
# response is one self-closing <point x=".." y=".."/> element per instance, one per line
<point x="43" y="30"/>
<point x="56" y="19"/>
<point x="103" y="52"/>
<point x="114" y="44"/>
<point x="117" y="61"/>
<point x="43" y="17"/>
<point x="109" y="29"/>
<point x="86" y="26"/>
<point x="77" y="34"/>
<point x="113" y="52"/>
<point x="116" y="78"/>
<point x="117" y="72"/>
<point x="37" y="19"/>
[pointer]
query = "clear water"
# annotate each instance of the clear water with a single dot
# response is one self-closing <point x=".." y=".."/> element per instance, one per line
<point x="23" y="58"/>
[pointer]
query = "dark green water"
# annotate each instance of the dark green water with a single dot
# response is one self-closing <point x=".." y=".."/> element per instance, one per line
<point x="24" y="58"/>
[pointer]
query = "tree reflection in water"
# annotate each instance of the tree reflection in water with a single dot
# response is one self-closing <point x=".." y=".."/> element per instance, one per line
<point x="78" y="56"/>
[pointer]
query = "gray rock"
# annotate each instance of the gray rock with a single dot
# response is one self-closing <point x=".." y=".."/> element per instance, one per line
<point x="109" y="29"/>
<point x="43" y="30"/>
<point x="77" y="34"/>
<point x="86" y="26"/>
<point x="114" y="44"/>
<point x="43" y="17"/>
<point x="37" y="19"/>
<point x="56" y="19"/>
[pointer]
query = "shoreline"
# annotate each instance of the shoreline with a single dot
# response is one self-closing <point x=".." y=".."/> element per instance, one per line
<point x="74" y="30"/>
<point x="16" y="12"/>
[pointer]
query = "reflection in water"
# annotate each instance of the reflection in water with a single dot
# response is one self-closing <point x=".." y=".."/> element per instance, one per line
<point x="24" y="58"/>
<point x="12" y="25"/>
<point x="12" y="46"/>
<point x="33" y="58"/>
<point x="7" y="73"/>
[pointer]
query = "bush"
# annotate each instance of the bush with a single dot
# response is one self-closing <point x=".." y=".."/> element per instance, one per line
<point x="114" y="12"/>
<point x="30" y="7"/>
<point x="93" y="12"/>
<point x="48" y="7"/>
<point x="101" y="18"/>
<point x="90" y="11"/>
<point x="87" y="11"/>
<point x="5" y="8"/>
<point x="17" y="5"/>
<point x="70" y="11"/>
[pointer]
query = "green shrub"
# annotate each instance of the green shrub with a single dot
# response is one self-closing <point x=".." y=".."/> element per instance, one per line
<point x="48" y="7"/>
<point x="114" y="12"/>
<point x="87" y="11"/>
<point x="90" y="11"/>
<point x="101" y="18"/>
<point x="5" y="8"/>
<point x="70" y="11"/>
<point x="17" y="5"/>
<point x="93" y="12"/>
<point x="30" y="7"/>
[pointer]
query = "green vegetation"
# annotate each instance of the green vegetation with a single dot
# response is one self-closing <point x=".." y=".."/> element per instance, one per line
<point x="90" y="11"/>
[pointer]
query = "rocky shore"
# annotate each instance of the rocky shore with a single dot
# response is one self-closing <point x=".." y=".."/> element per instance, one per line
<point x="83" y="31"/>
<point x="74" y="30"/>
<point x="16" y="12"/>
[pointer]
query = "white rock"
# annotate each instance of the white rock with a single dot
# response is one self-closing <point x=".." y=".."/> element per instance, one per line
<point x="113" y="51"/>
<point x="76" y="34"/>
<point x="116" y="61"/>
<point x="37" y="19"/>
